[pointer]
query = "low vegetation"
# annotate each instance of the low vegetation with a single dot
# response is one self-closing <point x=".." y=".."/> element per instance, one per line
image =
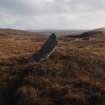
<point x="73" y="75"/>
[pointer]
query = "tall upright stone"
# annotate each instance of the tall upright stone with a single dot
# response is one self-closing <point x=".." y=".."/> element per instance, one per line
<point x="46" y="50"/>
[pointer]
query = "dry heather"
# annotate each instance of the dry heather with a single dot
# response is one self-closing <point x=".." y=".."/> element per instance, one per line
<point x="73" y="75"/>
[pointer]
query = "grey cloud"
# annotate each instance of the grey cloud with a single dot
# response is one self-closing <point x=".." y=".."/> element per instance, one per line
<point x="32" y="7"/>
<point x="51" y="14"/>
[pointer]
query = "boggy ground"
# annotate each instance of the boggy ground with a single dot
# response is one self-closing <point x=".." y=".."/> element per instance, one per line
<point x="73" y="75"/>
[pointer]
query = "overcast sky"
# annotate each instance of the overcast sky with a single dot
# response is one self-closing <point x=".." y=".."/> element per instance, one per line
<point x="52" y="14"/>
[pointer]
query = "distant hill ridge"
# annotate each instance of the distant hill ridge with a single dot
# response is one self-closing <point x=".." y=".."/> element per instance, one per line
<point x="100" y="29"/>
<point x="9" y="32"/>
<point x="70" y="33"/>
<point x="98" y="34"/>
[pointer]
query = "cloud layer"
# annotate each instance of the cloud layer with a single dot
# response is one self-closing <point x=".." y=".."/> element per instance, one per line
<point x="52" y="14"/>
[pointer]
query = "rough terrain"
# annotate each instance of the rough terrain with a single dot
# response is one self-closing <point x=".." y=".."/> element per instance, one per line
<point x="73" y="75"/>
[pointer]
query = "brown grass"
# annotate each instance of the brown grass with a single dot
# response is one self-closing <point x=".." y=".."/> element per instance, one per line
<point x="74" y="74"/>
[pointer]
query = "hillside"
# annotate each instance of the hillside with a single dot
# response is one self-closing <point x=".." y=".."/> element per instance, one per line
<point x="89" y="35"/>
<point x="100" y="29"/>
<point x="73" y="75"/>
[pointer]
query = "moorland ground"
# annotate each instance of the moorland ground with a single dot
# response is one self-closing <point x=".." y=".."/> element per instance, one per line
<point x="73" y="75"/>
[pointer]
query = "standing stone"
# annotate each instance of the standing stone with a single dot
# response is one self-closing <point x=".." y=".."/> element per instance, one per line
<point x="46" y="50"/>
